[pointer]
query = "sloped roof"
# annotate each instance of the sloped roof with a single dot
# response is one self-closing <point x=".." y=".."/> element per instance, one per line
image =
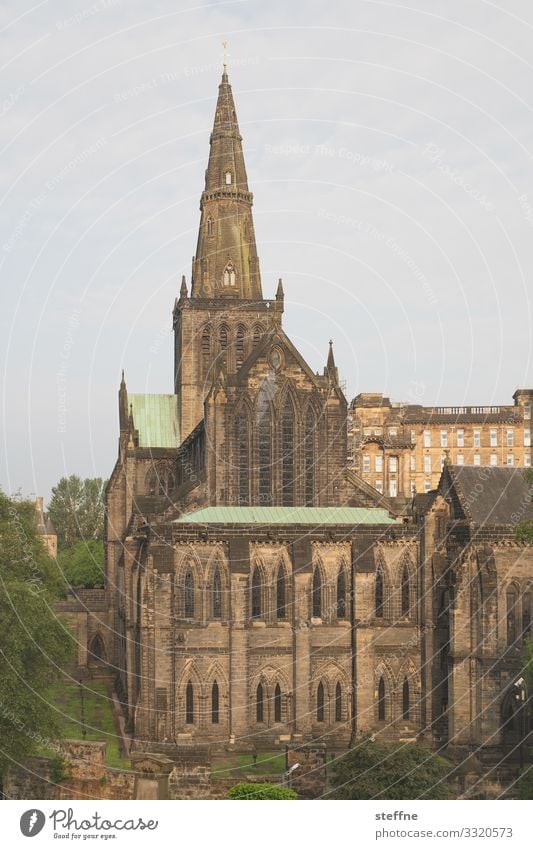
<point x="493" y="495"/>
<point x="289" y="516"/>
<point x="155" y="417"/>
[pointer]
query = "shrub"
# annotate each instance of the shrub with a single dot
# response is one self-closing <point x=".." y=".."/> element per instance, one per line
<point x="245" y="790"/>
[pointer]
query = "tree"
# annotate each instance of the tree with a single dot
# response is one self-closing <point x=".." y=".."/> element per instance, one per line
<point x="83" y="564"/>
<point x="77" y="510"/>
<point x="35" y="644"/>
<point x="524" y="530"/>
<point x="375" y="770"/>
<point x="246" y="790"/>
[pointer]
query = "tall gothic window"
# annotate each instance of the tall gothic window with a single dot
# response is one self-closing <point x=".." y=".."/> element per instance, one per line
<point x="317" y="594"/>
<point x="309" y="458"/>
<point x="189" y="704"/>
<point x="257" y="606"/>
<point x="229" y="275"/>
<point x="341" y="594"/>
<point x="405" y="592"/>
<point x="320" y="703"/>
<point x="281" y="594"/>
<point x="277" y="704"/>
<point x="264" y="437"/>
<point x="406" y="707"/>
<point x="189" y="594"/>
<point x="338" y="702"/>
<point x="379" y="593"/>
<point x="217" y="595"/>
<point x="512" y="602"/>
<point x="256" y="337"/>
<point x="243" y="464"/>
<point x="381" y="700"/>
<point x="259" y="704"/>
<point x="223" y="342"/>
<point x="215" y="713"/>
<point x="206" y="351"/>
<point x="210" y="228"/>
<point x="526" y="614"/>
<point x="239" y="346"/>
<point x="287" y="454"/>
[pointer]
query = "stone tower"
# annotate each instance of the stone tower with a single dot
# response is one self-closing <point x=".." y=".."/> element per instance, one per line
<point x="225" y="316"/>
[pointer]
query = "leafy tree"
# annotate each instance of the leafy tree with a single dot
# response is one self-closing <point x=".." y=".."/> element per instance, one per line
<point x="83" y="564"/>
<point x="375" y="770"/>
<point x="524" y="530"/>
<point x="77" y="509"/>
<point x="34" y="644"/>
<point x="246" y="790"/>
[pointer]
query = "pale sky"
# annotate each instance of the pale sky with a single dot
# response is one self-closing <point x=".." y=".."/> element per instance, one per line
<point x="390" y="151"/>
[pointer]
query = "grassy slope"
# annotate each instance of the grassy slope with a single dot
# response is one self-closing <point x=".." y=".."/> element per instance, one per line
<point x="98" y="716"/>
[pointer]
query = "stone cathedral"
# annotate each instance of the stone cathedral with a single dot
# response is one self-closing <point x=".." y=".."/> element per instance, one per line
<point x="258" y="589"/>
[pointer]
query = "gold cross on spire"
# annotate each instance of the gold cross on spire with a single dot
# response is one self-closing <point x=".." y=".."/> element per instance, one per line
<point x="226" y="55"/>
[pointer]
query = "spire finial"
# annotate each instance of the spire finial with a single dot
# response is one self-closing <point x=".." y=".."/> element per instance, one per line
<point x="226" y="56"/>
<point x="183" y="289"/>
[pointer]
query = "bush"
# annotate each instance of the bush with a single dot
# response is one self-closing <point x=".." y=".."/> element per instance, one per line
<point x="83" y="564"/>
<point x="245" y="790"/>
<point x="375" y="770"/>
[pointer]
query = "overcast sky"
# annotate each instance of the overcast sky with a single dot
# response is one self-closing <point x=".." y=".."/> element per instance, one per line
<point x="389" y="148"/>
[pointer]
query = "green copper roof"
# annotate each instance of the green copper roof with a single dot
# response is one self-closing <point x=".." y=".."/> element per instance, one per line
<point x="156" y="419"/>
<point x="290" y="515"/>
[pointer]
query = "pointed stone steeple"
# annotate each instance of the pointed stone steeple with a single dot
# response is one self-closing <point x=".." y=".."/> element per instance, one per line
<point x="226" y="262"/>
<point x="123" y="404"/>
<point x="331" y="370"/>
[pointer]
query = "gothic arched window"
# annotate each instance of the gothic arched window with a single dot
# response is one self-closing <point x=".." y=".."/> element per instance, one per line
<point x="264" y="438"/>
<point x="379" y="594"/>
<point x="257" y="607"/>
<point x="320" y="703"/>
<point x="96" y="648"/>
<point x="381" y="700"/>
<point x="287" y="454"/>
<point x="526" y="614"/>
<point x="215" y="714"/>
<point x="281" y="594"/>
<point x="229" y="276"/>
<point x="309" y="458"/>
<point x="277" y="704"/>
<point x="239" y="346"/>
<point x="405" y="592"/>
<point x="341" y="594"/>
<point x="223" y="340"/>
<point x="256" y="337"/>
<point x="206" y="351"/>
<point x="210" y="227"/>
<point x="189" y="704"/>
<point x="338" y="702"/>
<point x="259" y="704"/>
<point x="243" y="464"/>
<point x="317" y="594"/>
<point x="512" y="609"/>
<point x="406" y="705"/>
<point x="189" y="594"/>
<point x="217" y="595"/>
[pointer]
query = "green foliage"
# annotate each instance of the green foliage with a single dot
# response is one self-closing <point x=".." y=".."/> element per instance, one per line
<point x="60" y="770"/>
<point x="244" y="790"/>
<point x="83" y="564"/>
<point x="375" y="770"/>
<point x="524" y="785"/>
<point x="77" y="510"/>
<point x="34" y="643"/>
<point x="524" y="530"/>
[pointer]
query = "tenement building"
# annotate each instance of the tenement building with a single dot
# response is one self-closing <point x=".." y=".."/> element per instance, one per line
<point x="400" y="448"/>
<point x="259" y="589"/>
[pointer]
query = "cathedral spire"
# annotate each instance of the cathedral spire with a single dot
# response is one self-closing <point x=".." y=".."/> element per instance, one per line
<point x="331" y="369"/>
<point x="226" y="262"/>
